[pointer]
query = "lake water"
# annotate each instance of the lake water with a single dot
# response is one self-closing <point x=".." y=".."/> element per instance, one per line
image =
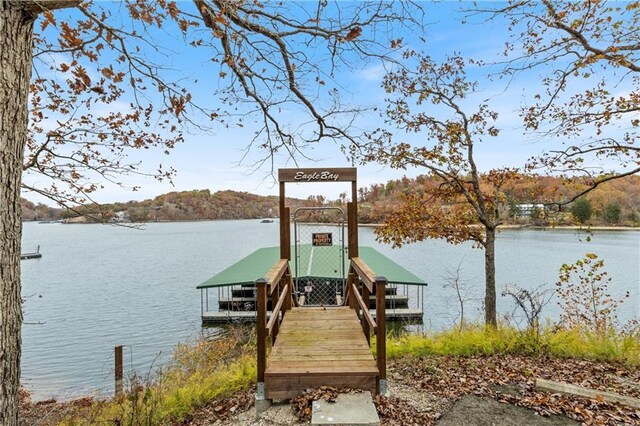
<point x="100" y="286"/>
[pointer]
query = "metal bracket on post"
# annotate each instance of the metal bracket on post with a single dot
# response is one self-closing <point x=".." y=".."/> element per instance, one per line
<point x="384" y="390"/>
<point x="262" y="403"/>
<point x="260" y="394"/>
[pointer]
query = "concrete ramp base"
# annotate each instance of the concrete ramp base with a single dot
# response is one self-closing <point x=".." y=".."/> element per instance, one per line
<point x="349" y="409"/>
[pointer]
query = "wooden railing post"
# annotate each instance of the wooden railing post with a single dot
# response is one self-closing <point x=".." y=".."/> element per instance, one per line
<point x="381" y="334"/>
<point x="366" y="295"/>
<point x="118" y="363"/>
<point x="355" y="286"/>
<point x="289" y="300"/>
<point x="261" y="285"/>
<point x="351" y="297"/>
<point x="275" y="295"/>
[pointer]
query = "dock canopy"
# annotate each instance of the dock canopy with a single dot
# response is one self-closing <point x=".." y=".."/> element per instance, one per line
<point x="258" y="263"/>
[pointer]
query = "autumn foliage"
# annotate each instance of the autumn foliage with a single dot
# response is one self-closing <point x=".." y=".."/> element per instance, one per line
<point x="585" y="297"/>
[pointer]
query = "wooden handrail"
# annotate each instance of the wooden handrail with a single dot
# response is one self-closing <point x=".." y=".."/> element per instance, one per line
<point x="275" y="312"/>
<point x="371" y="281"/>
<point x="276" y="283"/>
<point x="365" y="308"/>
<point x="364" y="272"/>
<point x="276" y="272"/>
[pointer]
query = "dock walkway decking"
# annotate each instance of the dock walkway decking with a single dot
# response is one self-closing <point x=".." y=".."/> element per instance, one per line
<point x="319" y="346"/>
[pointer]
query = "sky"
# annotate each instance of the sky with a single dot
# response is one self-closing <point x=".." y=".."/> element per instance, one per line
<point x="211" y="159"/>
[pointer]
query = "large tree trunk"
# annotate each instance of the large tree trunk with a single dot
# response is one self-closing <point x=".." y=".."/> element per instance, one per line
<point x="490" y="317"/>
<point x="16" y="31"/>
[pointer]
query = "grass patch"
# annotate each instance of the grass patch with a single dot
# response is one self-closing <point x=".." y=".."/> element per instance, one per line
<point x="210" y="370"/>
<point x="609" y="346"/>
<point x="198" y="374"/>
<point x="480" y="340"/>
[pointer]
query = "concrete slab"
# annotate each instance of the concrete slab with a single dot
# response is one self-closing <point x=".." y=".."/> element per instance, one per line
<point x="349" y="409"/>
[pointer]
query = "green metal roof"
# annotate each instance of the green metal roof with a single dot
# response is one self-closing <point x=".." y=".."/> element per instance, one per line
<point x="313" y="263"/>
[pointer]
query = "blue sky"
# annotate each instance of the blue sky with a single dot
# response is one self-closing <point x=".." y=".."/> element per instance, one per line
<point x="209" y="160"/>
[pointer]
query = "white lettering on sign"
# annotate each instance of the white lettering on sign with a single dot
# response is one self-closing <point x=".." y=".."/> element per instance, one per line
<point x="322" y="239"/>
<point x="309" y="177"/>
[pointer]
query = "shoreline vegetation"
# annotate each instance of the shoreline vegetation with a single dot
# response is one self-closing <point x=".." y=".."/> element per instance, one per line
<point x="377" y="225"/>
<point x="211" y="381"/>
<point x="527" y="204"/>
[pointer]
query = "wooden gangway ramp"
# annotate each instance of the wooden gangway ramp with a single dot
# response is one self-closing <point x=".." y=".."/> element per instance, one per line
<point x="312" y="346"/>
<point x="319" y="346"/>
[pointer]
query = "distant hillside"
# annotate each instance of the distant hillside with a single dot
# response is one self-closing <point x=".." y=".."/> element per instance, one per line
<point x="31" y="211"/>
<point x="185" y="205"/>
<point x="616" y="203"/>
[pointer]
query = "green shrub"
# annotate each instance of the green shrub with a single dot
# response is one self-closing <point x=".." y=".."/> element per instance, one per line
<point x="198" y="374"/>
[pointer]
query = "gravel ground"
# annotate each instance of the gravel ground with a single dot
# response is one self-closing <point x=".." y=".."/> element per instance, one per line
<point x="470" y="410"/>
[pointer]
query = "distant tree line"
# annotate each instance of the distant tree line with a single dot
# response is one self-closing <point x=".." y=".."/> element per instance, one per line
<point x="617" y="204"/>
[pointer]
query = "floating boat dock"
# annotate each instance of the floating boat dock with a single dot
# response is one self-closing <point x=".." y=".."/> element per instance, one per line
<point x="230" y="296"/>
<point x="314" y="302"/>
<point x="34" y="255"/>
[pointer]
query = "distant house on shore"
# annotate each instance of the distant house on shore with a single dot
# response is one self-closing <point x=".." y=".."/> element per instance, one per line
<point x="121" y="216"/>
<point x="526" y="210"/>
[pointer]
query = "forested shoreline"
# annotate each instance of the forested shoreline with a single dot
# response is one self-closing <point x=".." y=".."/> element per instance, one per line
<point x="527" y="201"/>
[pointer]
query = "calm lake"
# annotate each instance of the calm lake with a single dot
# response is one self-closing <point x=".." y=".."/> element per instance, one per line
<point x="100" y="286"/>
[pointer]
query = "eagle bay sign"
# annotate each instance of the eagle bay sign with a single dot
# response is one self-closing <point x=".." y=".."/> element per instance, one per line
<point x="317" y="176"/>
<point x="347" y="174"/>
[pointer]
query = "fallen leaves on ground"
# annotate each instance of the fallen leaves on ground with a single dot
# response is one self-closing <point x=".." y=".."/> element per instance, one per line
<point x="223" y="409"/>
<point x="50" y="411"/>
<point x="508" y="379"/>
<point x="452" y="377"/>
<point x="395" y="411"/>
<point x="302" y="405"/>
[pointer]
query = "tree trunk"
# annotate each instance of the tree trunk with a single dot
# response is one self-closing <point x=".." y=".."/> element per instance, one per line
<point x="16" y="31"/>
<point x="490" y="317"/>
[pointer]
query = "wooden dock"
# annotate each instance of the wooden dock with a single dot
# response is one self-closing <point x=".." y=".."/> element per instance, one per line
<point x="34" y="255"/>
<point x="24" y="256"/>
<point x="319" y="346"/>
<point x="315" y="345"/>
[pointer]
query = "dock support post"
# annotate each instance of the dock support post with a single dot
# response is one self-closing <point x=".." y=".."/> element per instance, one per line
<point x="118" y="370"/>
<point x="366" y="296"/>
<point x="351" y="298"/>
<point x="352" y="226"/>
<point x="261" y="402"/>
<point x="381" y="334"/>
<point x="286" y="279"/>
<point x="275" y="295"/>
